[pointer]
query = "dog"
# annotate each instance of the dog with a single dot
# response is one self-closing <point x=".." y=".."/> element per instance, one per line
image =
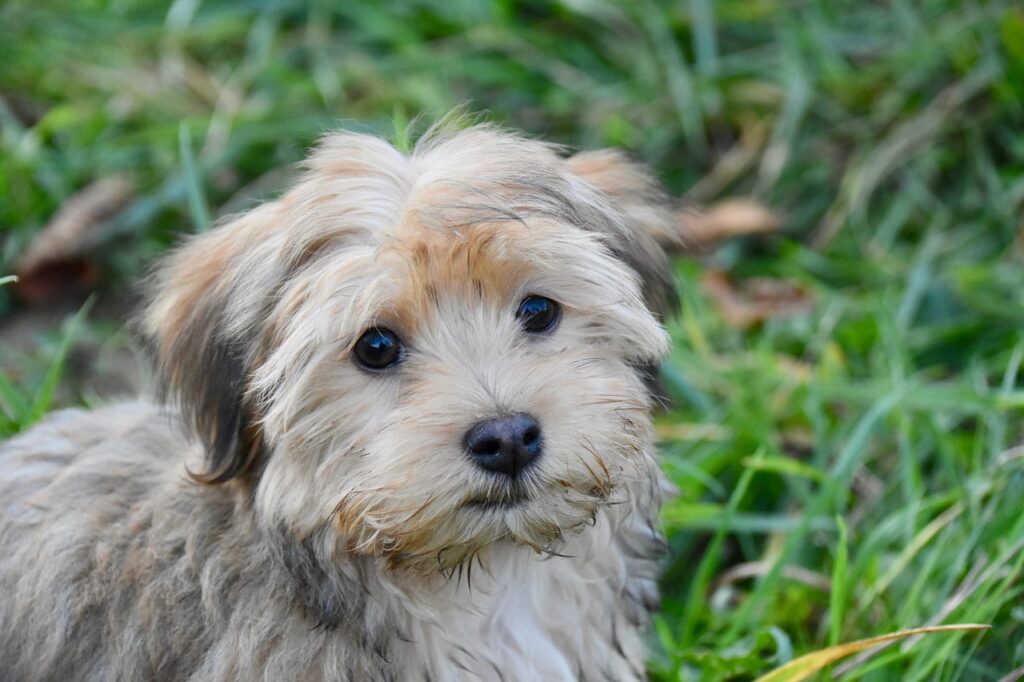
<point x="406" y="435"/>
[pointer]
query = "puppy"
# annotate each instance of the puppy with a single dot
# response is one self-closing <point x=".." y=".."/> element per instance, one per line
<point x="406" y="436"/>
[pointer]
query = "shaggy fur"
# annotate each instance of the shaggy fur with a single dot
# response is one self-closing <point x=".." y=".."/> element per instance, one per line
<point x="288" y="515"/>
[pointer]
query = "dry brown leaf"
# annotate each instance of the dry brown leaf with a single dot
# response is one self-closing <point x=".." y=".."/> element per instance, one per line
<point x="756" y="569"/>
<point x="727" y="219"/>
<point x="68" y="231"/>
<point x="755" y="300"/>
<point x="56" y="260"/>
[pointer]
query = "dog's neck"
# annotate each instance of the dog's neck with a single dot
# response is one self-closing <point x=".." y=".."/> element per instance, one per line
<point x="523" y="611"/>
<point x="544" y="617"/>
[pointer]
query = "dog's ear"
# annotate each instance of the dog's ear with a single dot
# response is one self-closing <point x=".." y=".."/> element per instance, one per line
<point x="204" y="322"/>
<point x="648" y="226"/>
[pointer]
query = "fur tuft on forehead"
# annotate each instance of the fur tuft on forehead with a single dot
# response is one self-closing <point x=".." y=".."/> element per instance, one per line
<point x="223" y="301"/>
<point x="456" y="178"/>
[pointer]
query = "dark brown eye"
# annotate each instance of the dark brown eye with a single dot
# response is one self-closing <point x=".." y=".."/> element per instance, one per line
<point x="378" y="349"/>
<point x="538" y="314"/>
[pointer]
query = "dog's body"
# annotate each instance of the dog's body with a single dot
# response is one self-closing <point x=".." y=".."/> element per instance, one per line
<point x="144" y="575"/>
<point x="347" y="525"/>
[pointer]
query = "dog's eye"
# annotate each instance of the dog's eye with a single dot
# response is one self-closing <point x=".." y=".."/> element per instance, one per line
<point x="378" y="348"/>
<point x="538" y="314"/>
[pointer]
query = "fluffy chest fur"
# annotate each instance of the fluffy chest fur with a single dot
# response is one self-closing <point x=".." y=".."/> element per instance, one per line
<point x="157" y="579"/>
<point x="525" y="617"/>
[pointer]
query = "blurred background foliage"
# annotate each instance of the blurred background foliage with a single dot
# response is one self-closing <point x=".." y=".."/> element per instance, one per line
<point x="849" y="462"/>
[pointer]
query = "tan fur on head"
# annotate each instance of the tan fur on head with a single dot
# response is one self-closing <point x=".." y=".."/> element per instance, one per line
<point x="440" y="247"/>
<point x="350" y="482"/>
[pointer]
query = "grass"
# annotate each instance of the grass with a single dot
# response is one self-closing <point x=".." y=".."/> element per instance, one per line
<point x="20" y="405"/>
<point x="844" y="473"/>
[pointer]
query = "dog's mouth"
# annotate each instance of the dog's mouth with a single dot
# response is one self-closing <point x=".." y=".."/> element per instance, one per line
<point x="498" y="504"/>
<point x="498" y="501"/>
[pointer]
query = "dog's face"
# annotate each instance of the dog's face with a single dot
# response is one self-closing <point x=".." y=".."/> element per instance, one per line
<point x="418" y="356"/>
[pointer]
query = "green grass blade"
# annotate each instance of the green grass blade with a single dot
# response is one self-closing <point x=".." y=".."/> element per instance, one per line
<point x="44" y="394"/>
<point x="840" y="588"/>
<point x="710" y="560"/>
<point x="193" y="181"/>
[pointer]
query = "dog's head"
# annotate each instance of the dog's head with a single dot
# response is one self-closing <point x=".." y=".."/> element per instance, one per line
<point x="426" y="353"/>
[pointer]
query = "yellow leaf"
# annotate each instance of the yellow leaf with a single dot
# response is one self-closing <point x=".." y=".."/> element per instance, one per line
<point x="805" y="666"/>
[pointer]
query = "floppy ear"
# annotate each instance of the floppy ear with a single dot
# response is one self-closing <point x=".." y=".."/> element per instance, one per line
<point x="204" y="323"/>
<point x="648" y="225"/>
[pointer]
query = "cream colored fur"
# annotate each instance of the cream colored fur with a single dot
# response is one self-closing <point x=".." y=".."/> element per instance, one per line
<point x="289" y="515"/>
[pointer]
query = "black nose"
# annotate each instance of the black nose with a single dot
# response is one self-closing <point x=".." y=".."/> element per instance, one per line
<point x="505" y="445"/>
